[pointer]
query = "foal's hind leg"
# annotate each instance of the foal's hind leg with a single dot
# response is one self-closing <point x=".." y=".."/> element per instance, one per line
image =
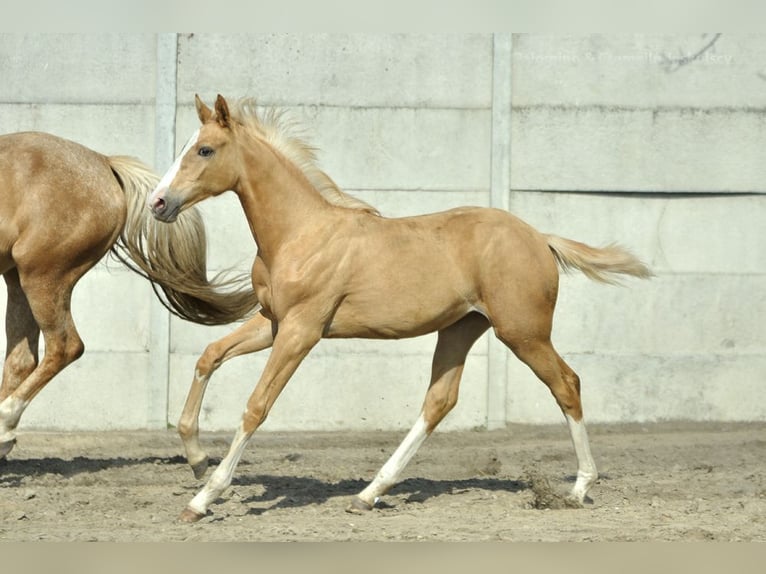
<point x="564" y="384"/>
<point x="449" y="359"/>
<point x="250" y="337"/>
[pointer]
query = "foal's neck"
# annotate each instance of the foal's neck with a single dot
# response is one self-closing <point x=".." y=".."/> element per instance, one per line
<point x="278" y="199"/>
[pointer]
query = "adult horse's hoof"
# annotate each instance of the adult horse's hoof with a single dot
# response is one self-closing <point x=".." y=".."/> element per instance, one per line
<point x="6" y="447"/>
<point x="358" y="506"/>
<point x="190" y="516"/>
<point x="200" y="468"/>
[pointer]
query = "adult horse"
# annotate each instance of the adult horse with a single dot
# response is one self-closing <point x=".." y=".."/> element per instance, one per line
<point x="330" y="266"/>
<point x="62" y="208"/>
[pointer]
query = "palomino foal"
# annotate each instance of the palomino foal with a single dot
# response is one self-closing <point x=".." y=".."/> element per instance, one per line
<point x="330" y="266"/>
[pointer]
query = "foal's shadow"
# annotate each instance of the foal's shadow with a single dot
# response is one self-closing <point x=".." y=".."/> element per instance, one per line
<point x="293" y="492"/>
<point x="279" y="491"/>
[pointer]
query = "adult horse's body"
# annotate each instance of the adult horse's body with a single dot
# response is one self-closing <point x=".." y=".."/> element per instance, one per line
<point x="62" y="207"/>
<point x="330" y="266"/>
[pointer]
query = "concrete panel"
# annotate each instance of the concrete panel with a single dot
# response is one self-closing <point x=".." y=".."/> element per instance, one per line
<point x="110" y="129"/>
<point x="358" y="70"/>
<point x="630" y="70"/>
<point x="100" y="391"/>
<point x="405" y="148"/>
<point x="675" y="314"/>
<point x="111" y="310"/>
<point x="645" y="388"/>
<point x="230" y="242"/>
<point x="602" y="148"/>
<point x="397" y="148"/>
<point x="395" y="203"/>
<point x="77" y="68"/>
<point x="188" y="338"/>
<point x="332" y="392"/>
<point x="672" y="234"/>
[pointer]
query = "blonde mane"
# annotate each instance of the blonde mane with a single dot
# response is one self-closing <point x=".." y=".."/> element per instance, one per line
<point x="275" y="128"/>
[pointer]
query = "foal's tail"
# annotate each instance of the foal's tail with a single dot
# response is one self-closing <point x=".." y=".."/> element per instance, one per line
<point x="173" y="257"/>
<point x="599" y="264"/>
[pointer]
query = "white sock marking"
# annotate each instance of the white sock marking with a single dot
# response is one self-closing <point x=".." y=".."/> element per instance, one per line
<point x="10" y="413"/>
<point x="221" y="477"/>
<point x="390" y="471"/>
<point x="586" y="467"/>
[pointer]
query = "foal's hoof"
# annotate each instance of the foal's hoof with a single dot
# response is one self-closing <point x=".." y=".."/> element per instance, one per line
<point x="358" y="506"/>
<point x="574" y="501"/>
<point x="6" y="447"/>
<point x="200" y="468"/>
<point x="190" y="516"/>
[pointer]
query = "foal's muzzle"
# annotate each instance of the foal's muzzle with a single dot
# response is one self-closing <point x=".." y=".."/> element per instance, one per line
<point x="164" y="208"/>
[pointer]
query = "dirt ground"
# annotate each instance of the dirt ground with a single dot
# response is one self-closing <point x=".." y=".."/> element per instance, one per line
<point x="667" y="482"/>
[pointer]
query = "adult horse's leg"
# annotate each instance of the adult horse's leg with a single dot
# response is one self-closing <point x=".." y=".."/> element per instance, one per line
<point x="292" y="343"/>
<point x="49" y="296"/>
<point x="564" y="384"/>
<point x="250" y="337"/>
<point x="22" y="337"/>
<point x="449" y="360"/>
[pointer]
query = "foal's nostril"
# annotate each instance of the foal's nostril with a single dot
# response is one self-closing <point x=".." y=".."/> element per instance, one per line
<point x="159" y="205"/>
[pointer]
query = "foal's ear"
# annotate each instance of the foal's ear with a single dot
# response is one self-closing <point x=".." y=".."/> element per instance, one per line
<point x="203" y="112"/>
<point x="222" y="112"/>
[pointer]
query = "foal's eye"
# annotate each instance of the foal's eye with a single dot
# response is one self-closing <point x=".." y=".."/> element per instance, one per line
<point x="205" y="151"/>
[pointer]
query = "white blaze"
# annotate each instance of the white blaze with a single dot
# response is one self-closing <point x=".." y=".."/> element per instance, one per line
<point x="170" y="175"/>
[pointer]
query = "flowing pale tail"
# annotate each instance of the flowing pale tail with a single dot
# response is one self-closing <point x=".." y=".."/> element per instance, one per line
<point x="600" y="264"/>
<point x="174" y="257"/>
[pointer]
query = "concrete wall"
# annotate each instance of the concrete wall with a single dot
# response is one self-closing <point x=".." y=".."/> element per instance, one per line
<point x="597" y="138"/>
<point x="681" y="145"/>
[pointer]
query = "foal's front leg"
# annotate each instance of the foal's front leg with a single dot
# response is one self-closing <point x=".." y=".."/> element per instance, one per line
<point x="250" y="337"/>
<point x="291" y="345"/>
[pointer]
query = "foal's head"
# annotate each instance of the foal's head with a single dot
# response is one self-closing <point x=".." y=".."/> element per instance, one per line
<point x="207" y="166"/>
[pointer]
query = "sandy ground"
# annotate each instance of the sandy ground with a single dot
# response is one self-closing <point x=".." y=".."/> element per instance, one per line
<point x="666" y="482"/>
